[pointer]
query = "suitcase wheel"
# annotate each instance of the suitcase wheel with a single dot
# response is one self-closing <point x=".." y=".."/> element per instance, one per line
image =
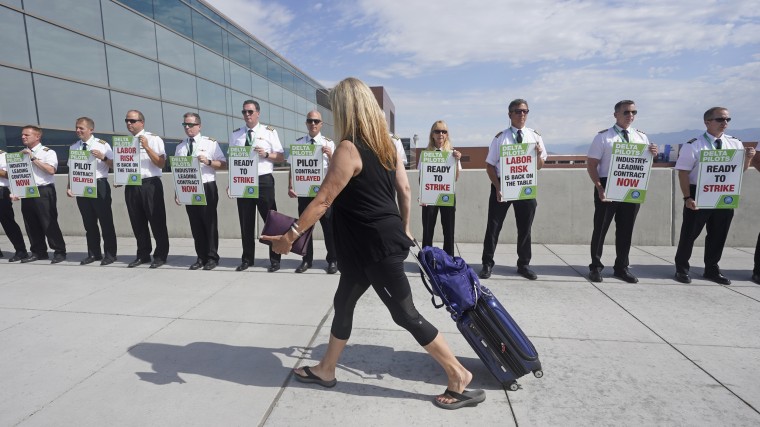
<point x="514" y="386"/>
<point x="538" y="374"/>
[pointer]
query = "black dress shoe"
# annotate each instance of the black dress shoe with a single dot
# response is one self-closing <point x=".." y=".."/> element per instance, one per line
<point x="683" y="277"/>
<point x="30" y="258"/>
<point x="305" y="265"/>
<point x="718" y="278"/>
<point x="527" y="273"/>
<point x="210" y="265"/>
<point x="18" y="257"/>
<point x="273" y="267"/>
<point x="137" y="262"/>
<point x="332" y="267"/>
<point x="157" y="263"/>
<point x="90" y="259"/>
<point x="626" y="276"/>
<point x="58" y="258"/>
<point x="595" y="275"/>
<point x="108" y="260"/>
<point x="243" y="266"/>
<point x="485" y="273"/>
<point x="196" y="265"/>
<point x="755" y="277"/>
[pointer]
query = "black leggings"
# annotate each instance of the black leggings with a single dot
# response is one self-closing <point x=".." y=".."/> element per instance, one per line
<point x="388" y="279"/>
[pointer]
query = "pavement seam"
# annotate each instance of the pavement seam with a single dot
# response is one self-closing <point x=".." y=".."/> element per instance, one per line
<point x="284" y="385"/>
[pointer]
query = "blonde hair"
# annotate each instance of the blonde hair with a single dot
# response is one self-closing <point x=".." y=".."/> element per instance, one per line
<point x="358" y="117"/>
<point x="446" y="146"/>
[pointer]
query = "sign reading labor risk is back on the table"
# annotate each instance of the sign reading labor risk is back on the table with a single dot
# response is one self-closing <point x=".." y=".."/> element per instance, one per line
<point x="720" y="178"/>
<point x="126" y="160"/>
<point x="307" y="169"/>
<point x="243" y="172"/>
<point x="20" y="176"/>
<point x="438" y="173"/>
<point x="82" y="174"/>
<point x="517" y="164"/>
<point x="628" y="177"/>
<point x="188" y="184"/>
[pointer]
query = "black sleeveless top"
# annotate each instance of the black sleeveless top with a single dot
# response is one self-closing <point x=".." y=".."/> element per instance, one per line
<point x="366" y="222"/>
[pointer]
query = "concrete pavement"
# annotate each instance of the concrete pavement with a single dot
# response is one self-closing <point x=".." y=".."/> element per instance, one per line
<point x="94" y="346"/>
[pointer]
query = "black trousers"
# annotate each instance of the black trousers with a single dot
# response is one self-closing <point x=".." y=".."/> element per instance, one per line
<point x="430" y="217"/>
<point x="145" y="206"/>
<point x="389" y="280"/>
<point x="327" y="230"/>
<point x="756" y="270"/>
<point x="525" y="210"/>
<point x="717" y="221"/>
<point x="94" y="211"/>
<point x="247" y="214"/>
<point x="204" y="224"/>
<point x="624" y="215"/>
<point x="41" y="221"/>
<point x="8" y="221"/>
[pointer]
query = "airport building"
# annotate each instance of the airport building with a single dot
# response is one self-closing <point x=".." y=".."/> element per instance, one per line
<point x="63" y="59"/>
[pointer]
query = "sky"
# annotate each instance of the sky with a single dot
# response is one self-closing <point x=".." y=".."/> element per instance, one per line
<point x="572" y="60"/>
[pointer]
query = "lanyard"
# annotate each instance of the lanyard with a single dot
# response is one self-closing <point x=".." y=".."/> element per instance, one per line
<point x="621" y="135"/>
<point x="712" y="145"/>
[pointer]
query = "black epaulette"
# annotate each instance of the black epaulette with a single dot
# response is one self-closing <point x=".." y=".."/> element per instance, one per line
<point x="270" y="128"/>
<point x="733" y="137"/>
<point x="300" y="138"/>
<point x="327" y="139"/>
<point x="536" y="132"/>
<point x="691" y="140"/>
<point x="237" y="129"/>
<point x="394" y="136"/>
<point x="45" y="149"/>
<point x="100" y="141"/>
<point x="211" y="139"/>
<point x="498" y="134"/>
<point x="603" y="130"/>
<point x="640" y="131"/>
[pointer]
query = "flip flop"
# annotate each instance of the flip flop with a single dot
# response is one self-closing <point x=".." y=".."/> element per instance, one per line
<point x="310" y="378"/>
<point x="466" y="398"/>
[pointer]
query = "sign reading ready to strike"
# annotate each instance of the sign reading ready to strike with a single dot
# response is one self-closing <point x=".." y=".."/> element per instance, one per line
<point x="628" y="176"/>
<point x="307" y="168"/>
<point x="126" y="160"/>
<point x="188" y="184"/>
<point x="20" y="176"/>
<point x="243" y="172"/>
<point x="82" y="174"/>
<point x="517" y="164"/>
<point x="438" y="173"/>
<point x="720" y="178"/>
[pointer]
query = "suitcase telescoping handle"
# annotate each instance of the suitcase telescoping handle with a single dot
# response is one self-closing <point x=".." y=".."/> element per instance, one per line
<point x="425" y="278"/>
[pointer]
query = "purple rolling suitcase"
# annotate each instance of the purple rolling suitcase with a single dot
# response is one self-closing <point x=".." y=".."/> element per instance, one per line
<point x="488" y="328"/>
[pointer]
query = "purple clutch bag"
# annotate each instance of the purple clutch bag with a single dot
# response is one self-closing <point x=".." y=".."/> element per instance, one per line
<point x="278" y="224"/>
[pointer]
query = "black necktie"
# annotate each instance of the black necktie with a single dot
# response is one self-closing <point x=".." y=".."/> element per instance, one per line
<point x="190" y="146"/>
<point x="84" y="146"/>
<point x="312" y="141"/>
<point x="625" y="135"/>
<point x="718" y="144"/>
<point x="249" y="138"/>
<point x="519" y="136"/>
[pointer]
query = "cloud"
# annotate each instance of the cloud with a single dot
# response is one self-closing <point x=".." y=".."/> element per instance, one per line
<point x="265" y="20"/>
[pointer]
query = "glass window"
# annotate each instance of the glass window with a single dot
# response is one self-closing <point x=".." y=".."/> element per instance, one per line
<point x="53" y="50"/>
<point x="128" y="29"/>
<point x="175" y="15"/>
<point x="274" y="71"/>
<point x="85" y="17"/>
<point x="178" y="86"/>
<point x="288" y="136"/>
<point x="260" y="87"/>
<point x="276" y="116"/>
<point x="211" y="96"/>
<point x="287" y="81"/>
<point x="13" y="49"/>
<point x="240" y="78"/>
<point x="275" y="94"/>
<point x="258" y="62"/>
<point x="237" y="102"/>
<point x="56" y="97"/>
<point x="288" y="99"/>
<point x="132" y="73"/>
<point x="17" y="102"/>
<point x="239" y="51"/>
<point x="175" y="50"/>
<point x="301" y="106"/>
<point x="151" y="109"/>
<point x="290" y="120"/>
<point x="209" y="64"/>
<point x="265" y="110"/>
<point x="172" y="119"/>
<point x="207" y="33"/>
<point x="16" y="3"/>
<point x="143" y="6"/>
<point x="214" y="126"/>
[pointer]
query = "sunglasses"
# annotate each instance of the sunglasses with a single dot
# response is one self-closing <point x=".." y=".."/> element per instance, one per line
<point x="247" y="112"/>
<point x="721" y="119"/>
<point x="189" y="125"/>
<point x="132" y="121"/>
<point x="521" y="111"/>
<point x="631" y="112"/>
<point x="313" y="121"/>
<point x="440" y="131"/>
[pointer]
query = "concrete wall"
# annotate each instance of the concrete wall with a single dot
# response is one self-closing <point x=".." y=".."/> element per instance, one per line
<point x="564" y="214"/>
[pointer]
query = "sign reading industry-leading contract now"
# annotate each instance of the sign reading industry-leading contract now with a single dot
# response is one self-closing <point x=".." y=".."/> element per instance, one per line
<point x="628" y="176"/>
